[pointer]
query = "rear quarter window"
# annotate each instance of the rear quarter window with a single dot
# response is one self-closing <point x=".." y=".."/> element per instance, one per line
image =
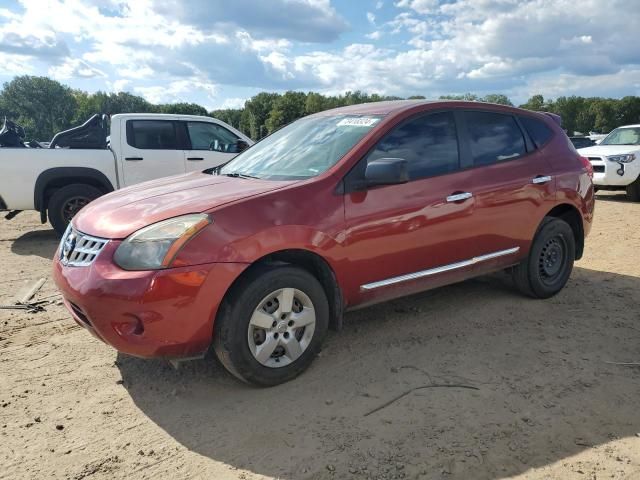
<point x="537" y="130"/>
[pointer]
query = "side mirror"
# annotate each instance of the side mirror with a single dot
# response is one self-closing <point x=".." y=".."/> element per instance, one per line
<point x="241" y="146"/>
<point x="386" y="171"/>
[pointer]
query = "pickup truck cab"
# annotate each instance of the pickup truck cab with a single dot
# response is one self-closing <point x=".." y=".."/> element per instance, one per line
<point x="616" y="161"/>
<point x="93" y="160"/>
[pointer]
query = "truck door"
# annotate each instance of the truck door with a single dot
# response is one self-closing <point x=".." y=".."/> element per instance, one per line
<point x="211" y="145"/>
<point x="151" y="149"/>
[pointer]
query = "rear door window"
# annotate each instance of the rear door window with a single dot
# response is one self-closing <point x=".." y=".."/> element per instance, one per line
<point x="152" y="134"/>
<point x="494" y="137"/>
<point x="429" y="144"/>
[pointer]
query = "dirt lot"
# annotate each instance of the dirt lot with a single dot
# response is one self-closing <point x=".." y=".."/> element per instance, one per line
<point x="548" y="404"/>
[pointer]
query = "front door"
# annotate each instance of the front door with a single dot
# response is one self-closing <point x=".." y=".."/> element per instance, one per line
<point x="151" y="149"/>
<point x="406" y="237"/>
<point x="211" y="145"/>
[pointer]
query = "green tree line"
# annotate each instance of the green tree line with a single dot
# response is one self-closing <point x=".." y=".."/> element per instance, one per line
<point x="44" y="106"/>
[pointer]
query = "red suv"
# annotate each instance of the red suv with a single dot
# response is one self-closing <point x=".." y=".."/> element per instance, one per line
<point x="340" y="209"/>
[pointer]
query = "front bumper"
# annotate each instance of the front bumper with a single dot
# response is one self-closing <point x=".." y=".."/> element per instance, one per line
<point x="164" y="313"/>
<point x="605" y="172"/>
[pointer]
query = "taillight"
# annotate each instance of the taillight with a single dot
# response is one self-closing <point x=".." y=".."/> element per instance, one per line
<point x="587" y="164"/>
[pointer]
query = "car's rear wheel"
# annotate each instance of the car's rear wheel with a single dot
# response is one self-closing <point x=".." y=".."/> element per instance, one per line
<point x="633" y="191"/>
<point x="67" y="201"/>
<point x="547" y="269"/>
<point x="271" y="325"/>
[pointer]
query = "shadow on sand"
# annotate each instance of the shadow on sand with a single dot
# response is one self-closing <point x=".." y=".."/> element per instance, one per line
<point x="545" y="389"/>
<point x="42" y="243"/>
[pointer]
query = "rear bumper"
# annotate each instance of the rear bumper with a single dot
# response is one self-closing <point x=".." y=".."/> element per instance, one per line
<point x="166" y="313"/>
<point x="606" y="173"/>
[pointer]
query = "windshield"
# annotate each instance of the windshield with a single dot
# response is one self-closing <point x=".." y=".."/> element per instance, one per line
<point x="303" y="149"/>
<point x="623" y="136"/>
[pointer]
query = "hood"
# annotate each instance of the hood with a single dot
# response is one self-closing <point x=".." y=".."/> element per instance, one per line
<point x="606" y="150"/>
<point x="120" y="213"/>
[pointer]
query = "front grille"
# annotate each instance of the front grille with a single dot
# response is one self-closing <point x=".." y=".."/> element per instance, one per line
<point x="78" y="249"/>
<point x="598" y="164"/>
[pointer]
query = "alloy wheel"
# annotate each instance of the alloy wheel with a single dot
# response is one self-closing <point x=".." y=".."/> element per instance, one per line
<point x="281" y="327"/>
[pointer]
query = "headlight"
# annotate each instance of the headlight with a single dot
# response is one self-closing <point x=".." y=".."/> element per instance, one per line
<point x="156" y="246"/>
<point x="630" y="157"/>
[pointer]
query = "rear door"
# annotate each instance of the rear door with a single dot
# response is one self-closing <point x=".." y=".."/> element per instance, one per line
<point x="403" y="238"/>
<point x="151" y="149"/>
<point x="211" y="145"/>
<point x="512" y="184"/>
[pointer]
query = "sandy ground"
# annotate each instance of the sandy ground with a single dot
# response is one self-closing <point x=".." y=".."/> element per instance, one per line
<point x="548" y="405"/>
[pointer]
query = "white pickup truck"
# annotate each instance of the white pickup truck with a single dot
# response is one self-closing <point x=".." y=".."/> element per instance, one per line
<point x="86" y="162"/>
<point x="616" y="161"/>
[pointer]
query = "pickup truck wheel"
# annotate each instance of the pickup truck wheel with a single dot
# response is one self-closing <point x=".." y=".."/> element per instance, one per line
<point x="272" y="325"/>
<point x="67" y="201"/>
<point x="547" y="269"/>
<point x="633" y="191"/>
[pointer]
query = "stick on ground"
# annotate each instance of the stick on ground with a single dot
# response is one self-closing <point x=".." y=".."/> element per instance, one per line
<point x="402" y="395"/>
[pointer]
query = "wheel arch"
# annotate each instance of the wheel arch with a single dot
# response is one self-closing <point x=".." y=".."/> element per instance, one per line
<point x="570" y="214"/>
<point x="54" y="178"/>
<point x="313" y="263"/>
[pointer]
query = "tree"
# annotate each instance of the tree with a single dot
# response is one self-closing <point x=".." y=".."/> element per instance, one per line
<point x="535" y="103"/>
<point x="469" y="97"/>
<point x="110" y="104"/>
<point x="182" y="109"/>
<point x="41" y="105"/>
<point x="497" y="98"/>
<point x="286" y="109"/>
<point x="258" y="109"/>
<point x="232" y="116"/>
<point x="314" y="103"/>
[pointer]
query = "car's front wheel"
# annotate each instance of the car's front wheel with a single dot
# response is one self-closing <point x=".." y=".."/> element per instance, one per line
<point x="271" y="325"/>
<point x="547" y="269"/>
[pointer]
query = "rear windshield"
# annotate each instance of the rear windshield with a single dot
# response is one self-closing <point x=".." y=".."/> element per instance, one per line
<point x="303" y="149"/>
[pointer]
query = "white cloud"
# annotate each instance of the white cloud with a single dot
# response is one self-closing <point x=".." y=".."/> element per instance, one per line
<point x="235" y="102"/>
<point x="176" y="91"/>
<point x="176" y="51"/>
<point x="74" y="68"/>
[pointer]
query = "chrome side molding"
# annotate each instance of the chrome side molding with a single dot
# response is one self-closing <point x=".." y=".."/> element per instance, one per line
<point x="435" y="271"/>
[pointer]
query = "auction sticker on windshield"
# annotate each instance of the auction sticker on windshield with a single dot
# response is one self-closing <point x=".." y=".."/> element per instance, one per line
<point x="358" y="122"/>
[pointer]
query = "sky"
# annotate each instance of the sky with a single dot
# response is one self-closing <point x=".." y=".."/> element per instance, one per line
<point x="218" y="53"/>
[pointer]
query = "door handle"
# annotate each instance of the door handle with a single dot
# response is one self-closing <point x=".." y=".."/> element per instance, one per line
<point x="458" y="197"/>
<point x="195" y="158"/>
<point x="131" y="159"/>
<point x="540" y="179"/>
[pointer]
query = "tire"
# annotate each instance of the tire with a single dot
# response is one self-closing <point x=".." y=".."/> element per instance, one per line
<point x="633" y="190"/>
<point x="67" y="201"/>
<point x="243" y="347"/>
<point x="548" y="268"/>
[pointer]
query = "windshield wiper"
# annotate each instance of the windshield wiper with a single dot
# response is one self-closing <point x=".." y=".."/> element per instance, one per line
<point x="238" y="175"/>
